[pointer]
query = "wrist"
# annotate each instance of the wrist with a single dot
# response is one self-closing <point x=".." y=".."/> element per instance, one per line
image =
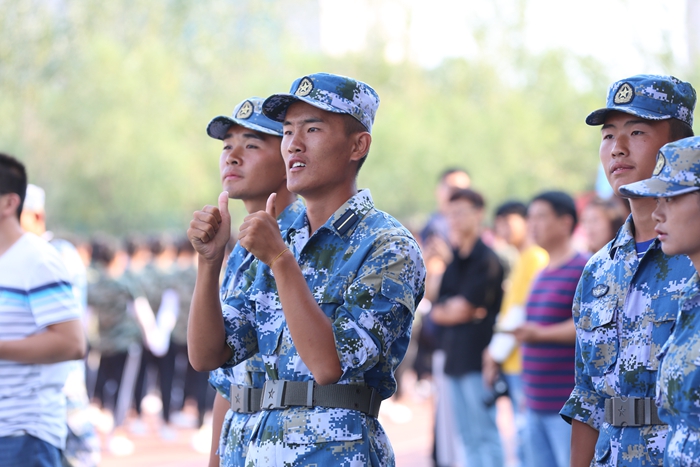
<point x="210" y="263"/>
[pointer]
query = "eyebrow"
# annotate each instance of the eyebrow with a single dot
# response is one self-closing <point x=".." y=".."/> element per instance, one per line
<point x="308" y="120"/>
<point x="628" y="123"/>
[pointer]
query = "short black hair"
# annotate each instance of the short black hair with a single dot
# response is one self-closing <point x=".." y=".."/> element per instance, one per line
<point x="134" y="243"/>
<point x="562" y="204"/>
<point x="184" y="245"/>
<point x="512" y="207"/>
<point x="678" y="129"/>
<point x="470" y="195"/>
<point x="13" y="179"/>
<point x="104" y="249"/>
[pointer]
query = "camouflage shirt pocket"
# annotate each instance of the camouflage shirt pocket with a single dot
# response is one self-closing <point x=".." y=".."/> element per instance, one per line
<point x="597" y="333"/>
<point x="662" y="321"/>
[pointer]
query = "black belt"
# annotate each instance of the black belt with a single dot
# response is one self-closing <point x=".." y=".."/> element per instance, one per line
<point x="245" y="399"/>
<point x="280" y="394"/>
<point x="631" y="411"/>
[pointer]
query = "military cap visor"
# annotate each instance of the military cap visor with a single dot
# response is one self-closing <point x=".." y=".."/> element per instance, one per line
<point x="656" y="188"/>
<point x="597" y="117"/>
<point x="276" y="106"/>
<point x="219" y="126"/>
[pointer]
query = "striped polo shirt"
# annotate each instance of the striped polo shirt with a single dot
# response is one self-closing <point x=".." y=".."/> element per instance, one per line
<point x="34" y="293"/>
<point x="548" y="369"/>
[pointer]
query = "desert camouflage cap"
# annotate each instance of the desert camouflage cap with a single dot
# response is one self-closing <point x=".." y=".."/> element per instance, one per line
<point x="334" y="93"/>
<point x="652" y="97"/>
<point x="247" y="114"/>
<point x="677" y="172"/>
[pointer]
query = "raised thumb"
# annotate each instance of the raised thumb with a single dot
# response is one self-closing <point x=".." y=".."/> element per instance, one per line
<point x="223" y="207"/>
<point x="270" y="206"/>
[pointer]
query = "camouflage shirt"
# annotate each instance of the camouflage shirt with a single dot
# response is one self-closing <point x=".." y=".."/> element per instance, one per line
<point x="624" y="310"/>
<point x="678" y="388"/>
<point x="238" y="427"/>
<point x="109" y="299"/>
<point x="366" y="273"/>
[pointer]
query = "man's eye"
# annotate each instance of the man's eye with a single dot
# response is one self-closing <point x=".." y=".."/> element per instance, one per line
<point x="251" y="146"/>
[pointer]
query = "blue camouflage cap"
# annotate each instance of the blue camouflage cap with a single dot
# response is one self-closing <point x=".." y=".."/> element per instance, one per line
<point x="652" y="97"/>
<point x="247" y="114"/>
<point x="677" y="172"/>
<point x="334" y="93"/>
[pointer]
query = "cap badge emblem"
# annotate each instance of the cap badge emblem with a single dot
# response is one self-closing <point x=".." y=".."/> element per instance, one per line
<point x="660" y="163"/>
<point x="624" y="95"/>
<point x="600" y="290"/>
<point x="245" y="111"/>
<point x="305" y="87"/>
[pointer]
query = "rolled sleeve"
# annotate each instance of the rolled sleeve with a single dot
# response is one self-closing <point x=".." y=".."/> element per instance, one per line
<point x="378" y="306"/>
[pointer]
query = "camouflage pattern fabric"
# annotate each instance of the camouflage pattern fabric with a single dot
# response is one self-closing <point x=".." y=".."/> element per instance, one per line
<point x="677" y="172"/>
<point x="237" y="429"/>
<point x="651" y="97"/>
<point x="678" y="388"/>
<point x="182" y="280"/>
<point x="334" y="93"/>
<point x="624" y="311"/>
<point x="366" y="273"/>
<point x="109" y="298"/>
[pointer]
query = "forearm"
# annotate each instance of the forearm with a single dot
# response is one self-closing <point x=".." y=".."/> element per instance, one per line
<point x="559" y="333"/>
<point x="311" y="329"/>
<point x="58" y="343"/>
<point x="206" y="335"/>
<point x="218" y="414"/>
<point x="583" y="441"/>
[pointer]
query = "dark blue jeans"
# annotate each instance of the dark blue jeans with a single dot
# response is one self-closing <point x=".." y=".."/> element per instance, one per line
<point x="28" y="451"/>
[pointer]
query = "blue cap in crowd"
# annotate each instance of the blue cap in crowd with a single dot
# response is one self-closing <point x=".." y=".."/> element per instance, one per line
<point x="651" y="97"/>
<point x="247" y="114"/>
<point x="334" y="93"/>
<point x="677" y="172"/>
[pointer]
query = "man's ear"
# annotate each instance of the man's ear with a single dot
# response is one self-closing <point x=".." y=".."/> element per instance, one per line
<point x="361" y="143"/>
<point x="9" y="204"/>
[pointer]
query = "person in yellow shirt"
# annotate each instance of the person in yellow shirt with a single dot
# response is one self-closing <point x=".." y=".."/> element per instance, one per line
<point x="502" y="356"/>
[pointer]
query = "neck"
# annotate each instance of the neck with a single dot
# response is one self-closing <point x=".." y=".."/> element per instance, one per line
<point x="284" y="199"/>
<point x="466" y="244"/>
<point x="10" y="232"/>
<point x="641" y="218"/>
<point x="560" y="254"/>
<point x="320" y="210"/>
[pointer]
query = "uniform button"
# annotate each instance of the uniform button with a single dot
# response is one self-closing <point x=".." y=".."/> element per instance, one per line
<point x="355" y="361"/>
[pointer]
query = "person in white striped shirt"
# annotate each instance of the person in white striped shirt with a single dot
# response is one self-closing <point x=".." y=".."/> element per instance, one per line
<point x="39" y="328"/>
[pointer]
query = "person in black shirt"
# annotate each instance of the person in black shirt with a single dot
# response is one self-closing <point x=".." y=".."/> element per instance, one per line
<point x="468" y="302"/>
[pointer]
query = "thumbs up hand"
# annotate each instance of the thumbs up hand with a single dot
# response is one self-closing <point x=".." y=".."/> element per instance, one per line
<point x="260" y="234"/>
<point x="210" y="230"/>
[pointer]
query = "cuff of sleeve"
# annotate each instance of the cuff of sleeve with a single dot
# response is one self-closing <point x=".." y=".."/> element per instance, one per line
<point x="584" y="406"/>
<point x="355" y="359"/>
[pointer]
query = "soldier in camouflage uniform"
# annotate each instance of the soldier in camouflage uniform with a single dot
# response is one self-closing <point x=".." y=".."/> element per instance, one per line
<point x="329" y="303"/>
<point x="109" y="299"/>
<point x="251" y="175"/>
<point x="627" y="299"/>
<point x="676" y="187"/>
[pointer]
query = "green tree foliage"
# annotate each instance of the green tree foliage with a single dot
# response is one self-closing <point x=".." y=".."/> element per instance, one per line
<point x="107" y="103"/>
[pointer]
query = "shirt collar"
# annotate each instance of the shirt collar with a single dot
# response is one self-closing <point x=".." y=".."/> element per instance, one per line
<point x="625" y="238"/>
<point x="346" y="218"/>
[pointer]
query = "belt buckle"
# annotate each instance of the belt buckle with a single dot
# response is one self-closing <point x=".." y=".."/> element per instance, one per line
<point x="273" y="394"/>
<point x="240" y="398"/>
<point x="624" y="412"/>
